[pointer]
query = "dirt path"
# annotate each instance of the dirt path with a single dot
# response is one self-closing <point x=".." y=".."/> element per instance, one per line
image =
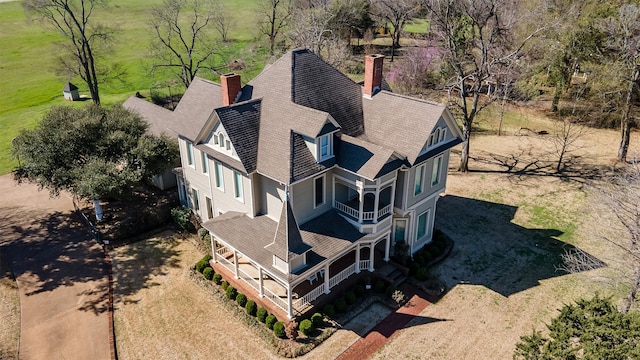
<point x="60" y="274"/>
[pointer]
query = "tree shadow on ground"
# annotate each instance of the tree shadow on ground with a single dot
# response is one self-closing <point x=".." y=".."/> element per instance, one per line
<point x="136" y="266"/>
<point x="490" y="250"/>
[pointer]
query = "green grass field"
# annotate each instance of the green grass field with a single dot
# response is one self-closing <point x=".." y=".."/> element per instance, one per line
<point x="30" y="86"/>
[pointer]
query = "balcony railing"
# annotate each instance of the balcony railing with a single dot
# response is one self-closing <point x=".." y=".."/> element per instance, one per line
<point x="366" y="215"/>
<point x="309" y="297"/>
<point x="342" y="275"/>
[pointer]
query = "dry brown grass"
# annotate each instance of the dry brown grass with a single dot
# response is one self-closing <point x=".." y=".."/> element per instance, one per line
<point x="509" y="230"/>
<point x="9" y="312"/>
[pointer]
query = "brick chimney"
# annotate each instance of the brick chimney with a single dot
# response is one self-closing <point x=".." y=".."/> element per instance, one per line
<point x="372" y="74"/>
<point x="231" y="88"/>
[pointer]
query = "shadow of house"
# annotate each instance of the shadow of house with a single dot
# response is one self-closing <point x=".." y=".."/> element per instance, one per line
<point x="492" y="251"/>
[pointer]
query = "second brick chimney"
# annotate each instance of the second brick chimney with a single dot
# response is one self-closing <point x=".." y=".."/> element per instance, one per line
<point x="372" y="74"/>
<point x="231" y="88"/>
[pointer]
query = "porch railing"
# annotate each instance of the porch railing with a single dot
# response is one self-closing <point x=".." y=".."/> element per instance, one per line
<point x="347" y="209"/>
<point x="384" y="211"/>
<point x="223" y="251"/>
<point x="274" y="298"/>
<point x="226" y="263"/>
<point x="249" y="279"/>
<point x="342" y="275"/>
<point x="364" y="264"/>
<point x="309" y="297"/>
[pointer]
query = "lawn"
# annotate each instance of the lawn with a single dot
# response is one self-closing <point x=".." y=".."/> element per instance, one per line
<point x="30" y="86"/>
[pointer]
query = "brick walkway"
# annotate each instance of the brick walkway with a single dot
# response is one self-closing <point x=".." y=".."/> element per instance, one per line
<point x="389" y="326"/>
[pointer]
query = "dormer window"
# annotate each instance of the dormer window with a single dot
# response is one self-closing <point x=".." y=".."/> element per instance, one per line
<point x="437" y="137"/>
<point x="325" y="147"/>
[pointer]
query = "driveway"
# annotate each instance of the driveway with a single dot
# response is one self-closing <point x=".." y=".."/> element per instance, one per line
<point x="61" y="275"/>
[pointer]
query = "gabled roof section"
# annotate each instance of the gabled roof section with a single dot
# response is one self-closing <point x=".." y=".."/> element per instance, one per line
<point x="196" y="106"/>
<point x="363" y="157"/>
<point x="158" y="118"/>
<point x="287" y="241"/>
<point x="68" y="87"/>
<point x="318" y="85"/>
<point x="303" y="163"/>
<point x="399" y="122"/>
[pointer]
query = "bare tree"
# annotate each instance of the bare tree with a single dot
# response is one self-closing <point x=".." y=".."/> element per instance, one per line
<point x="624" y="41"/>
<point x="275" y="16"/>
<point x="72" y="19"/>
<point x="478" y="37"/>
<point x="564" y="139"/>
<point x="221" y="21"/>
<point x="183" y="36"/>
<point x="397" y="13"/>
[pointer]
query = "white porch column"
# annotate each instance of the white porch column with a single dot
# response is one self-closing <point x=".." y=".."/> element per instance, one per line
<point x="326" y="279"/>
<point x="360" y="187"/>
<point x="261" y="281"/>
<point x="235" y="263"/>
<point x="393" y="193"/>
<point x="214" y="253"/>
<point x="387" y="245"/>
<point x="376" y="201"/>
<point x="371" y="255"/>
<point x="289" y="302"/>
<point x="357" y="258"/>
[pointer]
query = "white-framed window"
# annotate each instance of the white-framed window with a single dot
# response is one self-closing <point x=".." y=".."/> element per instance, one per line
<point x="423" y="223"/>
<point x="319" y="197"/>
<point x="189" y="153"/>
<point x="209" y="204"/>
<point x="219" y="177"/>
<point x="205" y="163"/>
<point x="399" y="230"/>
<point x="237" y="186"/>
<point x="221" y="139"/>
<point x="325" y="147"/>
<point x="228" y="145"/>
<point x="435" y="174"/>
<point x="418" y="180"/>
<point x="196" y="199"/>
<point x="443" y="135"/>
<point x="215" y="139"/>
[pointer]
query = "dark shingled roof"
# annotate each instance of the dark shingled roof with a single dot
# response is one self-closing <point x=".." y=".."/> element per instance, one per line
<point x="302" y="162"/>
<point x="287" y="241"/>
<point x="362" y="157"/>
<point x="242" y="124"/>
<point x="68" y="87"/>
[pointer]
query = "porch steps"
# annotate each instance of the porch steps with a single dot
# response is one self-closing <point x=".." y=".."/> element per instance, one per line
<point x="391" y="274"/>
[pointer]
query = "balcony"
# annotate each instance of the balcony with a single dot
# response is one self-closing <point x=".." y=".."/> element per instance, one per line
<point x="354" y="213"/>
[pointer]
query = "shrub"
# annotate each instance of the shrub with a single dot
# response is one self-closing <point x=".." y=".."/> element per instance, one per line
<point x="261" y="314"/>
<point x="278" y="329"/>
<point x="379" y="286"/>
<point x="390" y="290"/>
<point x="291" y="329"/>
<point x="316" y="319"/>
<point x="231" y="292"/>
<point x="426" y="256"/>
<point x="251" y="307"/>
<point x="341" y="305"/>
<point x="217" y="279"/>
<point x="329" y="311"/>
<point x="241" y="299"/>
<point x="422" y="274"/>
<point x="307" y="327"/>
<point x="206" y="258"/>
<point x="270" y="320"/>
<point x="350" y="297"/>
<point x="224" y="285"/>
<point x="413" y="268"/>
<point x="418" y="259"/>
<point x="208" y="273"/>
<point x="182" y="216"/>
<point x="200" y="265"/>
<point x="202" y="232"/>
<point x="358" y="290"/>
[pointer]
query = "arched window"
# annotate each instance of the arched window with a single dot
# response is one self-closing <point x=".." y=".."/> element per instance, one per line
<point x="221" y="139"/>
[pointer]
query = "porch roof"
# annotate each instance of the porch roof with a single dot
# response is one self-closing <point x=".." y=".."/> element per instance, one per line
<point x="328" y="235"/>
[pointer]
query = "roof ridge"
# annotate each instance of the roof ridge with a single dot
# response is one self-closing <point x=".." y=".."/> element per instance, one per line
<point x="390" y="93"/>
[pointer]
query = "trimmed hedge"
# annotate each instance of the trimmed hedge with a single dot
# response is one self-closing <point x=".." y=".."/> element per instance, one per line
<point x="358" y="290"/>
<point x="341" y="305"/>
<point x="201" y="265"/>
<point x="224" y="285"/>
<point x="350" y="297"/>
<point x="241" y="299"/>
<point x="422" y="274"/>
<point x="261" y="314"/>
<point x="217" y="279"/>
<point x="270" y="320"/>
<point x="208" y="273"/>
<point x="231" y="292"/>
<point x="317" y="320"/>
<point x="390" y="290"/>
<point x="379" y="287"/>
<point x="329" y="311"/>
<point x="278" y="330"/>
<point x="306" y="327"/>
<point x="251" y="308"/>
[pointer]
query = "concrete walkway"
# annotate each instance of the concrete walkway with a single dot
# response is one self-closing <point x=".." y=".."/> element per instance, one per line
<point x="61" y="275"/>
